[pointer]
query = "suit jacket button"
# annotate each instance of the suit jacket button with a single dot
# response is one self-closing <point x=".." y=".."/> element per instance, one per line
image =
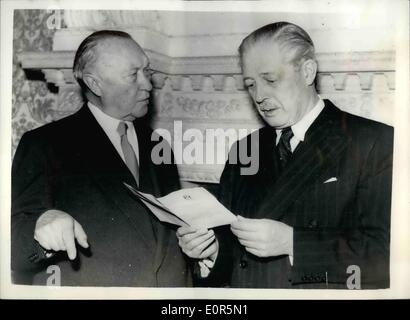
<point x="243" y="264"/>
<point x="312" y="224"/>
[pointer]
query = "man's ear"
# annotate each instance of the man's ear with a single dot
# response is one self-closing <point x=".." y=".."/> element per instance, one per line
<point x="93" y="83"/>
<point x="309" y="69"/>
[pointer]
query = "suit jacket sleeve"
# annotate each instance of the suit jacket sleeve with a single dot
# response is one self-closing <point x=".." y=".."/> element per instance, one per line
<point x="326" y="253"/>
<point x="31" y="196"/>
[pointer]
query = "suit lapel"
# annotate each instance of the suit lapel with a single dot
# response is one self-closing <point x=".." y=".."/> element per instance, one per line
<point x="109" y="172"/>
<point x="323" y="143"/>
<point x="149" y="183"/>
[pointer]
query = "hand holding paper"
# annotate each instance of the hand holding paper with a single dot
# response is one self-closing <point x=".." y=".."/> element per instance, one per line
<point x="197" y="244"/>
<point x="194" y="207"/>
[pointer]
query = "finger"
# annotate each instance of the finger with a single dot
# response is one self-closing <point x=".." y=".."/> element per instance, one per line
<point x="244" y="224"/>
<point x="250" y="244"/>
<point x="246" y="235"/>
<point x="204" y="269"/>
<point x="200" y="240"/>
<point x="195" y="238"/>
<point x="50" y="237"/>
<point x="208" y="252"/>
<point x="209" y="263"/>
<point x="199" y="248"/>
<point x="247" y="225"/>
<point x="49" y="254"/>
<point x="54" y="230"/>
<point x="80" y="235"/>
<point x="202" y="264"/>
<point x="60" y="241"/>
<point x="185" y="230"/>
<point x="68" y="238"/>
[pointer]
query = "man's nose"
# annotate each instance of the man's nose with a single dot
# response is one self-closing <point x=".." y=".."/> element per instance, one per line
<point x="259" y="94"/>
<point x="145" y="82"/>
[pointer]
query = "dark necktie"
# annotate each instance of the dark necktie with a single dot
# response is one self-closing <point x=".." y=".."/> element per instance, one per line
<point x="284" y="149"/>
<point x="129" y="155"/>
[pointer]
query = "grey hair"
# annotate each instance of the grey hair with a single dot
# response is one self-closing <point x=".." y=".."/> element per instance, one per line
<point x="291" y="38"/>
<point x="85" y="54"/>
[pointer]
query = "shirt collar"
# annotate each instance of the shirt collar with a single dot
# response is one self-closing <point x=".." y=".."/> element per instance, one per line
<point x="299" y="129"/>
<point x="107" y="122"/>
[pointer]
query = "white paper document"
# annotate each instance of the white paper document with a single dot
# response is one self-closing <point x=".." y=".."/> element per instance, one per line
<point x="195" y="207"/>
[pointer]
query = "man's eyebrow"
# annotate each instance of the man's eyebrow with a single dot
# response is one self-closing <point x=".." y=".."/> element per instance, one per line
<point x="272" y="73"/>
<point x="263" y="74"/>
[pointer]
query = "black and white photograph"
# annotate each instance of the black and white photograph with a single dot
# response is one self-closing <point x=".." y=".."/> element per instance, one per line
<point x="199" y="149"/>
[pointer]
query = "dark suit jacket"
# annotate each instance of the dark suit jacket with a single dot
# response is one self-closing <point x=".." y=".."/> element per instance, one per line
<point x="71" y="165"/>
<point x="336" y="224"/>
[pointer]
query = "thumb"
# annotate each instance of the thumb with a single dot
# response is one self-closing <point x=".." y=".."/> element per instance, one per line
<point x="80" y="235"/>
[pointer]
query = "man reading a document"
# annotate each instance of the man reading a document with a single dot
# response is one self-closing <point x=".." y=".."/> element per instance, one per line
<point x="70" y="208"/>
<point x="317" y="213"/>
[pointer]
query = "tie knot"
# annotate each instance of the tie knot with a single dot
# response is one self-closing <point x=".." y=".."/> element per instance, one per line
<point x="287" y="134"/>
<point x="122" y="128"/>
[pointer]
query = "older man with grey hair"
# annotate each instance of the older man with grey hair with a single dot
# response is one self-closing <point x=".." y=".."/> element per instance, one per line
<point x="70" y="209"/>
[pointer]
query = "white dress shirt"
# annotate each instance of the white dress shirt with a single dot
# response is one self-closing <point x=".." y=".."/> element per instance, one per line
<point x="110" y="125"/>
<point x="299" y="129"/>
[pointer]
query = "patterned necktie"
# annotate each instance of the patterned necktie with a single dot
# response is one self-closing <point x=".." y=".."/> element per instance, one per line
<point x="284" y="149"/>
<point x="129" y="155"/>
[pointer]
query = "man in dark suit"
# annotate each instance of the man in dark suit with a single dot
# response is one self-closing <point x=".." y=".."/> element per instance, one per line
<point x="70" y="207"/>
<point x="317" y="213"/>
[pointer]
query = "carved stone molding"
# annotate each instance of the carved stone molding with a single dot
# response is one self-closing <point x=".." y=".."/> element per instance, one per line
<point x="223" y="73"/>
<point x="354" y="62"/>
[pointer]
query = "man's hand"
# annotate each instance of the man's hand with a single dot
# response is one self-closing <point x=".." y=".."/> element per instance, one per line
<point x="264" y="237"/>
<point x="56" y="230"/>
<point x="198" y="243"/>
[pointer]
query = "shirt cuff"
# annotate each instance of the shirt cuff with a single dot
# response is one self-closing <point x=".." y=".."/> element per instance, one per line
<point x="206" y="265"/>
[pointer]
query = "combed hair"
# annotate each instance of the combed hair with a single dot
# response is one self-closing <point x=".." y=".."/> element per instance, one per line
<point x="291" y="38"/>
<point x="86" y="54"/>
